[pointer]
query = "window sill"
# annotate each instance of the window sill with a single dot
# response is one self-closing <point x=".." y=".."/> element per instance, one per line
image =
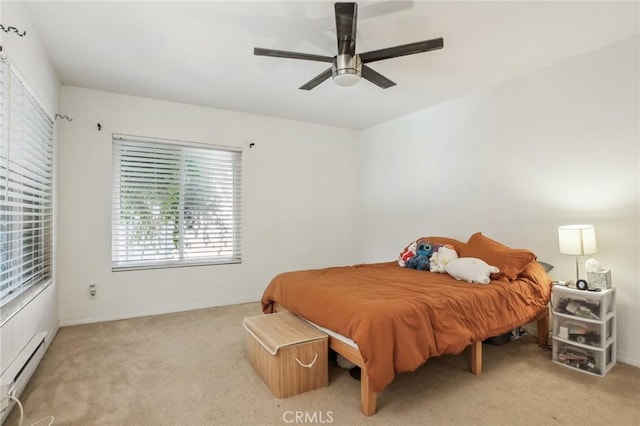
<point x="138" y="267"/>
<point x="10" y="310"/>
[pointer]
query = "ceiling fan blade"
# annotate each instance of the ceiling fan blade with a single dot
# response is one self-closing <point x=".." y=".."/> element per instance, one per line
<point x="376" y="78"/>
<point x="405" y="49"/>
<point x="346" y="22"/>
<point x="316" y="80"/>
<point x="258" y="51"/>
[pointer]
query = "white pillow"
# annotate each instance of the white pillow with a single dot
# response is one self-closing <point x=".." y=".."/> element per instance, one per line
<point x="471" y="269"/>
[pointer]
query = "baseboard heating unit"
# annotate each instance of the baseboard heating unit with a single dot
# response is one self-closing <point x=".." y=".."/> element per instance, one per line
<point x="15" y="377"/>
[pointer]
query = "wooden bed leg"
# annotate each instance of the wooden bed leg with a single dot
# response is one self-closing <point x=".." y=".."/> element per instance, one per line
<point x="476" y="357"/>
<point x="368" y="396"/>
<point x="543" y="330"/>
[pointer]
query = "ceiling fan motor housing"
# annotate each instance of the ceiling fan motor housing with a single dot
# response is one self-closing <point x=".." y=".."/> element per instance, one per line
<point x="346" y="69"/>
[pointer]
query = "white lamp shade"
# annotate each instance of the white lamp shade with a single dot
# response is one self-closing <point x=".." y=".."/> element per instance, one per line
<point x="577" y="239"/>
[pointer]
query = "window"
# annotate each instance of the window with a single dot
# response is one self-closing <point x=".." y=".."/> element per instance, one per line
<point x="174" y="203"/>
<point x="26" y="187"/>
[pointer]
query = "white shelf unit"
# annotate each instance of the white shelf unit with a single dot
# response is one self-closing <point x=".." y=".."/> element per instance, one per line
<point x="584" y="329"/>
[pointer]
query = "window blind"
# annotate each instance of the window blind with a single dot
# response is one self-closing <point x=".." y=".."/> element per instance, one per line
<point x="26" y="187"/>
<point x="174" y="203"/>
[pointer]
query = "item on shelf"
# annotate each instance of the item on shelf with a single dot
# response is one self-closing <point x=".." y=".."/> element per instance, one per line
<point x="572" y="307"/>
<point x="579" y="333"/>
<point x="578" y="358"/>
<point x="597" y="277"/>
<point x="600" y="280"/>
<point x="578" y="308"/>
<point x="586" y="312"/>
<point x="581" y="285"/>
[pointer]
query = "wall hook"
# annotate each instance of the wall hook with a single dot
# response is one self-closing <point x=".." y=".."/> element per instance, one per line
<point x="13" y="29"/>
<point x="251" y="145"/>
<point x="64" y="117"/>
<point x="99" y="126"/>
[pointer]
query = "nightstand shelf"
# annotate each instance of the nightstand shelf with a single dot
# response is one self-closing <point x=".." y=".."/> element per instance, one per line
<point x="584" y="329"/>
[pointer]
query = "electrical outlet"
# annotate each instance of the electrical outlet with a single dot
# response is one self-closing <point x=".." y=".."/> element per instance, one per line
<point x="93" y="293"/>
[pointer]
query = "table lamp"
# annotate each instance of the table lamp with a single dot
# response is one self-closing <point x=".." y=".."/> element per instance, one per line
<point x="577" y="240"/>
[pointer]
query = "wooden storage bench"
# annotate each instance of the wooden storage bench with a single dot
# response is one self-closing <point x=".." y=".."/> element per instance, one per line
<point x="289" y="354"/>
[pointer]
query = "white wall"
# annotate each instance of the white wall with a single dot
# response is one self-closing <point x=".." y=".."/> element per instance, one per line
<point x="558" y="146"/>
<point x="28" y="55"/>
<point x="300" y="204"/>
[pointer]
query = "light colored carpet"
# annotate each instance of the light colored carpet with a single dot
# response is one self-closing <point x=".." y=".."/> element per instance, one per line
<point x="190" y="369"/>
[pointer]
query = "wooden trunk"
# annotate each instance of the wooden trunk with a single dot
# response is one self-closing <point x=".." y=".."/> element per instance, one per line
<point x="289" y="354"/>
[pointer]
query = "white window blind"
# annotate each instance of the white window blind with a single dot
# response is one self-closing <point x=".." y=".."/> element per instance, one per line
<point x="174" y="203"/>
<point x="26" y="187"/>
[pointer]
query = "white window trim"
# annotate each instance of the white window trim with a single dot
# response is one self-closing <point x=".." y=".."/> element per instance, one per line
<point x="120" y="233"/>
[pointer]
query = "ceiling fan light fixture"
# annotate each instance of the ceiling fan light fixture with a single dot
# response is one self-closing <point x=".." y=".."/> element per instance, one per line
<point x="346" y="78"/>
<point x="346" y="70"/>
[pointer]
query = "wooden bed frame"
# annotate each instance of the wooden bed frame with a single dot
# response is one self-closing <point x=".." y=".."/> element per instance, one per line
<point x="369" y="397"/>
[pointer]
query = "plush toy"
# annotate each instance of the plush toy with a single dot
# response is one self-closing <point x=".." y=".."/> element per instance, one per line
<point x="441" y="256"/>
<point x="421" y="260"/>
<point x="407" y="254"/>
<point x="471" y="269"/>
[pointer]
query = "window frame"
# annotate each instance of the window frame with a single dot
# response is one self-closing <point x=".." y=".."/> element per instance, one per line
<point x="121" y="233"/>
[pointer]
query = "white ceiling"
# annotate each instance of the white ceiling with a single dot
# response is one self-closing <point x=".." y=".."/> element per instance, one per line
<point x="202" y="52"/>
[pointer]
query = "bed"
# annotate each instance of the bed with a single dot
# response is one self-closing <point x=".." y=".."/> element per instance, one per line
<point x="387" y="319"/>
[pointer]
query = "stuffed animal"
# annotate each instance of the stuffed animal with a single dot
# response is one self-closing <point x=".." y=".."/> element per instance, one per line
<point x="407" y="254"/>
<point x="441" y="256"/>
<point x="421" y="260"/>
<point x="471" y="269"/>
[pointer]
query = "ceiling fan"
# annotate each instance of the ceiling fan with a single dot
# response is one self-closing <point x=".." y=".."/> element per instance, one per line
<point x="347" y="67"/>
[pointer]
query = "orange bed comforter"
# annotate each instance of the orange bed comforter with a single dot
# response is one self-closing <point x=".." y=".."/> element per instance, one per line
<point x="401" y="317"/>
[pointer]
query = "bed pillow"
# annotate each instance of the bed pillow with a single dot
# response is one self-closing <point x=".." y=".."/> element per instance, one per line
<point x="456" y="244"/>
<point x="547" y="266"/>
<point x="510" y="261"/>
<point x="471" y="269"/>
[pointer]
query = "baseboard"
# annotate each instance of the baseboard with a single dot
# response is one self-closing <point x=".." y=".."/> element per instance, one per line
<point x="160" y="311"/>
<point x="627" y="360"/>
